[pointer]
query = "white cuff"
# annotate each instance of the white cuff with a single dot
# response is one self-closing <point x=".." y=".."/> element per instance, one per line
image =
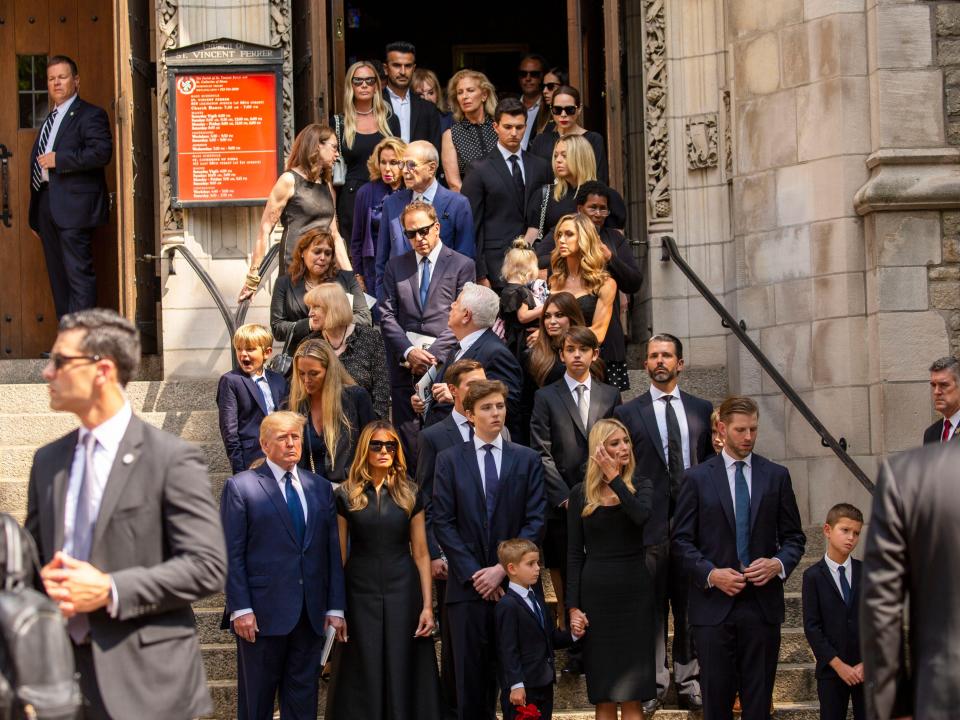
<point x="518" y="685"/>
<point x="336" y="614"/>
<point x="575" y="637"/>
<point x="407" y="352"/>
<point x="113" y="604"/>
<point x="783" y="572"/>
<point x="238" y="613"/>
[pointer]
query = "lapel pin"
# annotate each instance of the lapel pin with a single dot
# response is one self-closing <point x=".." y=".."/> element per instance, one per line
<point x="127" y="459"/>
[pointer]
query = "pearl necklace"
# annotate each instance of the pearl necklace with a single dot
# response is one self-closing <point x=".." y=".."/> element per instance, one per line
<point x="361" y="112"/>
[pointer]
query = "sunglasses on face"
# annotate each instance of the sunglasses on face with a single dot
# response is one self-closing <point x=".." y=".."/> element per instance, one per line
<point x="570" y="110"/>
<point x="59" y="361"/>
<point x="368" y="81"/>
<point x="379" y="445"/>
<point x="530" y="73"/>
<point x="551" y="86"/>
<point x="422" y="232"/>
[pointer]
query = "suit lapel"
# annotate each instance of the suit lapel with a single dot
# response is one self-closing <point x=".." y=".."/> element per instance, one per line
<point x="694" y="427"/>
<point x="649" y="418"/>
<point x="443" y="259"/>
<point x="759" y="481"/>
<point x="828" y="578"/>
<point x="307" y="482"/>
<point x="254" y="390"/>
<point x="452" y="430"/>
<point x="66" y="122"/>
<point x="506" y="471"/>
<point x="506" y="175"/>
<point x="598" y="401"/>
<point x="276" y="388"/>
<point x="269" y="484"/>
<point x="470" y="458"/>
<point x="722" y="486"/>
<point x="61" y="481"/>
<point x="520" y="600"/>
<point x="566" y="399"/>
<point x="299" y="291"/>
<point x="123" y="466"/>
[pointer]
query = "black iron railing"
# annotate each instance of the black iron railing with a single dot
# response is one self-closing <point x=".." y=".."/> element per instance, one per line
<point x="739" y="329"/>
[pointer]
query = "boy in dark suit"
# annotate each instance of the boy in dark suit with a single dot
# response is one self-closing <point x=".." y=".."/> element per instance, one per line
<point x="247" y="394"/>
<point x="831" y="590"/>
<point x="527" y="634"/>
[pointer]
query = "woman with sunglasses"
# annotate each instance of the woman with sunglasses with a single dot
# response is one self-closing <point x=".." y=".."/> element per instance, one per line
<point x="565" y="109"/>
<point x="386" y="177"/>
<point x="471" y="136"/>
<point x="389" y="660"/>
<point x="334" y="405"/>
<point x="552" y="79"/>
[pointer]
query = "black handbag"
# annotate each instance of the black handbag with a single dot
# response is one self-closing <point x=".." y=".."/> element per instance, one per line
<point x="283" y="362"/>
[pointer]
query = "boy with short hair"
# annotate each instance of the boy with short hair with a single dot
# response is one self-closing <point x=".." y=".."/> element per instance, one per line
<point x="247" y="394"/>
<point x="527" y="634"/>
<point x="831" y="589"/>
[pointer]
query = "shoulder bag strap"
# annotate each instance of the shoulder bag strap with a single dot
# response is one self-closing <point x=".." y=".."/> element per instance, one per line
<point x="543" y="210"/>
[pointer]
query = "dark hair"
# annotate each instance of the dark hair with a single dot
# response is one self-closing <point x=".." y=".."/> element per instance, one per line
<point x="455" y="371"/>
<point x="544" y="354"/>
<point x="947" y="363"/>
<point x="737" y="404"/>
<point x="63" y="60"/>
<point x="592" y="187"/>
<point x="481" y="389"/>
<point x="844" y="510"/>
<point x="400" y="46"/>
<point x="560" y="73"/>
<point x="534" y="56"/>
<point x="568" y="90"/>
<point x="109" y="335"/>
<point x="509" y="106"/>
<point x="580" y="335"/>
<point x="667" y="337"/>
<point x="298" y="269"/>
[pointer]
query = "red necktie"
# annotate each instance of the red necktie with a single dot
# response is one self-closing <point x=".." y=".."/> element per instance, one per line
<point x="946" y="431"/>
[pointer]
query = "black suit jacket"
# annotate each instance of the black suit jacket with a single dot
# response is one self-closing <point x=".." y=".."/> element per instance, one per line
<point x="557" y="433"/>
<point x="78" y="184"/>
<point x="832" y="628"/>
<point x="641" y="421"/>
<point x="932" y="435"/>
<point x="704" y="536"/>
<point x="242" y="409"/>
<point x="524" y="646"/>
<point x="499" y="216"/>
<point x="424" y="119"/>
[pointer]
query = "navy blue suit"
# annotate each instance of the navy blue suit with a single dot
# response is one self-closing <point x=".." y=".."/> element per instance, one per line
<point x="456" y="227"/>
<point x="833" y="630"/>
<point x="65" y="212"/>
<point x="469" y="540"/>
<point x="289" y="586"/>
<point x="242" y="409"/>
<point x="737" y="638"/>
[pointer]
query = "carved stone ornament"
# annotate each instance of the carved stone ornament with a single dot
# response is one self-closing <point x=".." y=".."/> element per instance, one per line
<point x="280" y="27"/>
<point x="168" y="38"/>
<point x="727" y="137"/>
<point x="703" y="149"/>
<point x="655" y="111"/>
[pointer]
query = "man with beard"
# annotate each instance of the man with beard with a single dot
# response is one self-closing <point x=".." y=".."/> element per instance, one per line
<point x="670" y="432"/>
<point x="413" y="117"/>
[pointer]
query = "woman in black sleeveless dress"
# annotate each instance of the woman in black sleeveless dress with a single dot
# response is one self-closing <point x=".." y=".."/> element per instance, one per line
<point x="471" y="137"/>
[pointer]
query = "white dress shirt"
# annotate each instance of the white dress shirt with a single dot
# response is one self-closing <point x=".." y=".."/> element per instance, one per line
<point x="507" y="155"/>
<point x="660" y="411"/>
<point x="481" y="457"/>
<point x="62" y="109"/>
<point x="954" y="421"/>
<point x="835" y="572"/>
<point x="463" y="425"/>
<point x="428" y="194"/>
<point x="401" y="108"/>
<point x="432" y="257"/>
<point x="573" y="384"/>
<point x="532" y="113"/>
<point x="263" y="386"/>
<point x="469" y="340"/>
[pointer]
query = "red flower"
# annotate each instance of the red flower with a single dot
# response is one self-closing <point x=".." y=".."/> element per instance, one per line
<point x="527" y="712"/>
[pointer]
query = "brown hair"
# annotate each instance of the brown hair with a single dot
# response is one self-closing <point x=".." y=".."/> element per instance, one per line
<point x="513" y="550"/>
<point x="481" y="389"/>
<point x="844" y="510"/>
<point x="417" y="206"/>
<point x="544" y="353"/>
<point x="305" y="153"/>
<point x="460" y="368"/>
<point x="592" y="263"/>
<point x="737" y="404"/>
<point x="297" y="269"/>
<point x="580" y="335"/>
<point x="401" y="490"/>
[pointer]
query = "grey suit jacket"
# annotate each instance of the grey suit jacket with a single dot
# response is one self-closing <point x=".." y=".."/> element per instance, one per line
<point x="913" y="551"/>
<point x="159" y="537"/>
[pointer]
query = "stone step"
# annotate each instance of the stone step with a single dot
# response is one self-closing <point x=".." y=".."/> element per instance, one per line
<point x="144" y="396"/>
<point x="29" y="371"/>
<point x="41" y="428"/>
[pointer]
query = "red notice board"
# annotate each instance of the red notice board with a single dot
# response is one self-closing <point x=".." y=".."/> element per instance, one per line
<point x="227" y="138"/>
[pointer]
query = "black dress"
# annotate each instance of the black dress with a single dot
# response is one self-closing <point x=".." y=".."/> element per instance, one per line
<point x="613" y="349"/>
<point x="528" y="390"/>
<point x="365" y="359"/>
<point x="382" y="672"/>
<point x="608" y="580"/>
<point x="358" y="174"/>
<point x="472" y="141"/>
<point x="311" y="205"/>
<point x="556" y="209"/>
<point x="542" y="146"/>
<point x="512" y="298"/>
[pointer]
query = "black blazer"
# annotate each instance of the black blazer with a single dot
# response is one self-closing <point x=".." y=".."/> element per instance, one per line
<point x="544" y="143"/>
<point x="557" y="433"/>
<point x="832" y="628"/>
<point x="704" y="536"/>
<point x="359" y="411"/>
<point x="78" y="184"/>
<point x="932" y="435"/>
<point x="499" y="216"/>
<point x="289" y="313"/>
<point x="242" y="409"/>
<point x="525" y="647"/>
<point x="641" y="422"/>
<point x="424" y="119"/>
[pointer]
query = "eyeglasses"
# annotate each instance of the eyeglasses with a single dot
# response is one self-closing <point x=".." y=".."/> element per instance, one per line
<point x="597" y="210"/>
<point x="551" y="86"/>
<point x="59" y="360"/>
<point x="380" y="445"/>
<point x="530" y="73"/>
<point x="422" y="232"/>
<point x="368" y="81"/>
<point x="570" y="110"/>
<point x="411" y="165"/>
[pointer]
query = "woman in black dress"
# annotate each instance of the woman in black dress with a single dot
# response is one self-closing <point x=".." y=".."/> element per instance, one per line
<point x="473" y="100"/>
<point x="388" y="668"/>
<point x="608" y="581"/>
<point x="565" y="108"/>
<point x="553" y="79"/>
<point x="336" y="409"/>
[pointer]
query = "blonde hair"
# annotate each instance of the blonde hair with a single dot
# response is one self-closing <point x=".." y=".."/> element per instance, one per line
<point x="335" y="421"/>
<point x="520" y="264"/>
<point x="252" y="335"/>
<point x="422" y="75"/>
<point x="592" y="272"/>
<point x="381" y="111"/>
<point x="594" y="481"/>
<point x="488" y="106"/>
<point x="337" y="310"/>
<point x="581" y="164"/>
<point x="354" y="487"/>
<point x="373" y="162"/>
<point x="513" y="550"/>
<point x="281" y="420"/>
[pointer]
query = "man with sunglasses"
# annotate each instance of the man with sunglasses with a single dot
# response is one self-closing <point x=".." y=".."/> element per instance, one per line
<point x="413" y="117"/>
<point x="530" y="76"/>
<point x="122" y="516"/>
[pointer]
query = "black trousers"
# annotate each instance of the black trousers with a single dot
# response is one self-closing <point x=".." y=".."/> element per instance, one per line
<point x="542" y="697"/>
<point x="738" y="655"/>
<point x="473" y="635"/>
<point x="93" y="707"/>
<point x="835" y="697"/>
<point x="69" y="257"/>
<point x="448" y="680"/>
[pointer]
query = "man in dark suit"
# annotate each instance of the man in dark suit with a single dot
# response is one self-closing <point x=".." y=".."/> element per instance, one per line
<point x="484" y="492"/>
<point x="68" y="187"/>
<point x="670" y="432"/>
<point x="499" y="187"/>
<point x="413" y="117"/>
<point x="420" y="163"/>
<point x="737" y="535"/>
<point x="285" y="581"/>
<point x="911" y="558"/>
<point x="418" y="290"/>
<point x="945" y="388"/>
<point x="122" y="515"/>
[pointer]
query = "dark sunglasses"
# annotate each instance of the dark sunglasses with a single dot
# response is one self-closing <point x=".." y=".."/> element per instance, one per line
<point x="368" y="81"/>
<point x="570" y="110"/>
<point x="379" y="445"/>
<point x="422" y="232"/>
<point x="59" y="361"/>
<point x="552" y="86"/>
<point x="530" y="73"/>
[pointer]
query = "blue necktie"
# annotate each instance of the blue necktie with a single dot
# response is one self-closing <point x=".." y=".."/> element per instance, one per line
<point x="424" y="281"/>
<point x="845" y="586"/>
<point x="536" y="606"/>
<point x="742" y="511"/>
<point x="264" y="388"/>
<point x="36" y="175"/>
<point x="491" y="479"/>
<point x="295" y="507"/>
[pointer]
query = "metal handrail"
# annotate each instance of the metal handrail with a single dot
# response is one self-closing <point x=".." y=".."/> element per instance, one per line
<point x="839" y="447"/>
<point x="207" y="281"/>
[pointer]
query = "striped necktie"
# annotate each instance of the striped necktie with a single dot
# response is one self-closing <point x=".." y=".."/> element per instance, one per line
<point x="37" y="173"/>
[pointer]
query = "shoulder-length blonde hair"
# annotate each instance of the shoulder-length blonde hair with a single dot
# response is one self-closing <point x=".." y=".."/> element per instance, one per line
<point x="544" y="353"/>
<point x="373" y="162"/>
<point x="594" y="481"/>
<point x="488" y="106"/>
<point x="581" y="164"/>
<point x="423" y="75"/>
<point x="305" y="152"/>
<point x="335" y="421"/>
<point x="314" y="236"/>
<point x="592" y="272"/>
<point x="400" y="488"/>
<point x="333" y="300"/>
<point x="381" y="111"/>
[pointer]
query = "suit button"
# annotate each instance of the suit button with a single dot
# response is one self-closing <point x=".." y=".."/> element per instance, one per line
<point x="300" y="581"/>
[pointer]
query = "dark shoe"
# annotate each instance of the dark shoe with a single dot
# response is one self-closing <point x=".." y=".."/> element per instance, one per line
<point x="691" y="702"/>
<point x="650" y="707"/>
<point x="574" y="665"/>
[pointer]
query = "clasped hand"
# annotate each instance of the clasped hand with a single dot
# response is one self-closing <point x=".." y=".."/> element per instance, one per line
<point x="731" y="582"/>
<point x="486" y="582"/>
<point x="75" y="585"/>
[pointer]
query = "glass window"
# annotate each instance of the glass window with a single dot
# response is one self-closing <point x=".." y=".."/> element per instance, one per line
<point x="32" y="90"/>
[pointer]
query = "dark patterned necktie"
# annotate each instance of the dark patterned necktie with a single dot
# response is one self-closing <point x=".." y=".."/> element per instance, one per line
<point x="517" y="175"/>
<point x="37" y="174"/>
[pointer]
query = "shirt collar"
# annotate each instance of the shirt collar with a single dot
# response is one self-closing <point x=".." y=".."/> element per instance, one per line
<point x="833" y="565"/>
<point x="430" y="192"/>
<point x="458" y="418"/>
<point x="470" y="339"/>
<point x="497" y="442"/>
<point x="110" y="432"/>
<point x="278" y="472"/>
<point x="506" y="154"/>
<point x="394" y="96"/>
<point x="65" y="105"/>
<point x="519" y="589"/>
<point x="728" y="460"/>
<point x="656" y="393"/>
<point x="572" y="384"/>
<point x="261" y="374"/>
<point x="954" y="419"/>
